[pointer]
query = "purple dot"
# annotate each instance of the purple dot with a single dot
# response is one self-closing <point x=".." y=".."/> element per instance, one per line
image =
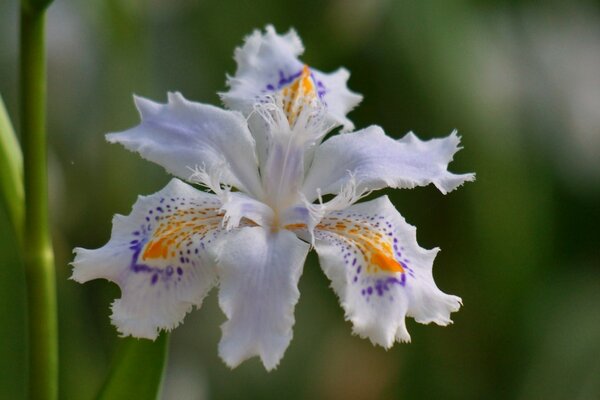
<point x="154" y="279"/>
<point x="179" y="271"/>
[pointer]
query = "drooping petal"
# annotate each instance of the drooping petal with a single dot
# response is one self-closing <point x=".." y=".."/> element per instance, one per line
<point x="268" y="62"/>
<point x="379" y="272"/>
<point x="157" y="257"/>
<point x="259" y="271"/>
<point x="183" y="136"/>
<point x="377" y="161"/>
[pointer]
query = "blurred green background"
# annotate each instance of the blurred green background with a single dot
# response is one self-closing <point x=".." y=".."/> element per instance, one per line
<point x="520" y="80"/>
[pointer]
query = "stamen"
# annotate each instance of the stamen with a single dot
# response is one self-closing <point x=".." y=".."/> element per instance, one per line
<point x="347" y="196"/>
<point x="210" y="179"/>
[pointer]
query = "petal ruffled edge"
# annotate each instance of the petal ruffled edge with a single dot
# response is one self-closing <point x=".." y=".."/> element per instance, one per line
<point x="182" y="136"/>
<point x="376" y="161"/>
<point x="267" y="62"/>
<point x="157" y="257"/>
<point x="379" y="272"/>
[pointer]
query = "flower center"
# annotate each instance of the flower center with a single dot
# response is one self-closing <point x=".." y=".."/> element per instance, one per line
<point x="294" y="121"/>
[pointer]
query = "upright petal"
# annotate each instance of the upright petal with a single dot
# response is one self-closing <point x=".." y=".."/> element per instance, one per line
<point x="379" y="272"/>
<point x="377" y="161"/>
<point x="259" y="271"/>
<point x="333" y="88"/>
<point x="157" y="257"/>
<point x="268" y="62"/>
<point x="183" y="136"/>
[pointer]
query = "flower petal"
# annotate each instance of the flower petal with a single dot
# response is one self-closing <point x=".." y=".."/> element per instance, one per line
<point x="379" y="272"/>
<point x="182" y="136"/>
<point x="336" y="95"/>
<point x="377" y="161"/>
<point x="157" y="257"/>
<point x="237" y="205"/>
<point x="268" y="62"/>
<point x="259" y="271"/>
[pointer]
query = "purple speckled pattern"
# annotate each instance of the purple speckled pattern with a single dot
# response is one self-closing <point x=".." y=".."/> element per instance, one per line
<point x="285" y="80"/>
<point x="358" y="237"/>
<point x="185" y="227"/>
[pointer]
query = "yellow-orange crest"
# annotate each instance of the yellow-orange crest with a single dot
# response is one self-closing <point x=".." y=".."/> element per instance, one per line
<point x="375" y="247"/>
<point x="177" y="229"/>
<point x="298" y="94"/>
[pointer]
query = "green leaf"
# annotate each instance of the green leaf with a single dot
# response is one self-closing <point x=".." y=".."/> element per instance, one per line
<point x="11" y="173"/>
<point x="13" y="316"/>
<point x="138" y="370"/>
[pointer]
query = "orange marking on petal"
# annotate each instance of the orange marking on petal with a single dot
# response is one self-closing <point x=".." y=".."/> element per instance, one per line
<point x="386" y="263"/>
<point x="298" y="94"/>
<point x="375" y="248"/>
<point x="292" y="227"/>
<point x="179" y="228"/>
<point x="156" y="249"/>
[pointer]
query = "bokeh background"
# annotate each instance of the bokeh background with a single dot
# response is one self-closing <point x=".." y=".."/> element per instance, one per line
<point x="520" y="80"/>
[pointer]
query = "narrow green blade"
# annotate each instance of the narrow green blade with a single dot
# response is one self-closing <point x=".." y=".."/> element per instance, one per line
<point x="13" y="315"/>
<point x="138" y="369"/>
<point x="12" y="192"/>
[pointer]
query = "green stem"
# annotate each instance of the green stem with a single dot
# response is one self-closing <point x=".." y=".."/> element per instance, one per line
<point x="37" y="255"/>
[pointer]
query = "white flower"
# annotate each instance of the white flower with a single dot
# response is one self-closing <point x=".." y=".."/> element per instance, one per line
<point x="180" y="242"/>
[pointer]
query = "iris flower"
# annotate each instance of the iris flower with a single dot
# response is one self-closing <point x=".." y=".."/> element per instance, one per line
<point x="276" y="189"/>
